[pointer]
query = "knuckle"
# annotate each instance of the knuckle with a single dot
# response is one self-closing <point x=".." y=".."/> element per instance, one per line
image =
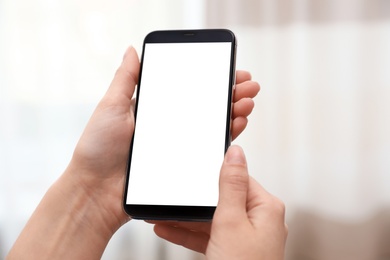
<point x="278" y="207"/>
<point x="236" y="179"/>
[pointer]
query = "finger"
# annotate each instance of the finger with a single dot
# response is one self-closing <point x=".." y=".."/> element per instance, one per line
<point x="246" y="89"/>
<point x="126" y="76"/>
<point x="196" y="241"/>
<point x="243" y="107"/>
<point x="233" y="186"/>
<point x="242" y="75"/>
<point x="238" y="125"/>
<point x="204" y="227"/>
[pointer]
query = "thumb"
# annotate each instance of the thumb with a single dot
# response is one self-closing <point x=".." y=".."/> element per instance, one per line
<point x="126" y="76"/>
<point x="233" y="184"/>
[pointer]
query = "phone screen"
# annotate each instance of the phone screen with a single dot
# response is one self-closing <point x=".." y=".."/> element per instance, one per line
<point x="182" y="123"/>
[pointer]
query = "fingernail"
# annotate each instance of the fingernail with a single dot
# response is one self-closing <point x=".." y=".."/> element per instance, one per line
<point x="235" y="155"/>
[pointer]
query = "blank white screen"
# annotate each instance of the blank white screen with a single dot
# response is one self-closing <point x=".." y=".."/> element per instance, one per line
<point x="181" y="124"/>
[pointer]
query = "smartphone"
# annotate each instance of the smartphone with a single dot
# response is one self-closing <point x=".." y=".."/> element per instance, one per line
<point x="182" y="124"/>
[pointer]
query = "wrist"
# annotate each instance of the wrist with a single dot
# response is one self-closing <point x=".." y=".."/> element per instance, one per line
<point x="71" y="221"/>
<point x="98" y="200"/>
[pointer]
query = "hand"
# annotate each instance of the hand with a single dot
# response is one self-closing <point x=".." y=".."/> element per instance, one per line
<point x="248" y="222"/>
<point x="82" y="210"/>
<point x="103" y="148"/>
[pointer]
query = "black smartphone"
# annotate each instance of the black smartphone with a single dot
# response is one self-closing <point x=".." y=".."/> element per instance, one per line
<point x="182" y="124"/>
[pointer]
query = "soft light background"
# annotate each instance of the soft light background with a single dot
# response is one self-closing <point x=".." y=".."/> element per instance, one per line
<point x="318" y="137"/>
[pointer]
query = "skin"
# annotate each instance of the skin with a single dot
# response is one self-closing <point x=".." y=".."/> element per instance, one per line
<point x="248" y="222"/>
<point x="82" y="210"/>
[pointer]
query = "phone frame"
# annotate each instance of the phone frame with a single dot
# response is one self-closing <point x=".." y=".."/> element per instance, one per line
<point x="173" y="212"/>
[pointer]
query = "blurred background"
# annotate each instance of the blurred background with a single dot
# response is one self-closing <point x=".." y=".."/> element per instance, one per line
<point x="318" y="138"/>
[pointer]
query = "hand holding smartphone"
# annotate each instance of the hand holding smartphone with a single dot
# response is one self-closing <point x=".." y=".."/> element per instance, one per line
<point x="182" y="124"/>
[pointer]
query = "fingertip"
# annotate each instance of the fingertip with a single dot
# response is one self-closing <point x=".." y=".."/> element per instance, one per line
<point x="131" y="62"/>
<point x="242" y="75"/>
<point x="128" y="50"/>
<point x="243" y="107"/>
<point x="126" y="76"/>
<point x="235" y="155"/>
<point x="247" y="89"/>
<point x="256" y="88"/>
<point x="130" y="54"/>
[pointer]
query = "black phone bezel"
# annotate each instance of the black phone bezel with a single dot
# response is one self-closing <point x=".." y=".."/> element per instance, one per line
<point x="173" y="212"/>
